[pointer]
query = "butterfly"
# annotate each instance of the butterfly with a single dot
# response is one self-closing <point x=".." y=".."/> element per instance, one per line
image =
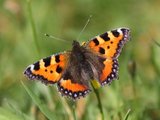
<point x="74" y="70"/>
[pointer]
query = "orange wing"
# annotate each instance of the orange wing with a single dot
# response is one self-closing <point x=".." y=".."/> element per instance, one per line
<point x="109" y="72"/>
<point x="71" y="89"/>
<point x="110" y="43"/>
<point x="48" y="70"/>
<point x="109" y="46"/>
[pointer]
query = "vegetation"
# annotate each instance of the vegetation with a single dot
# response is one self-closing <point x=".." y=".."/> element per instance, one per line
<point x="23" y="23"/>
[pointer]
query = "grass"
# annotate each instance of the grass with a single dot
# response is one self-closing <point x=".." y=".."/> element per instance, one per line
<point x="99" y="103"/>
<point x="135" y="96"/>
<point x="33" y="26"/>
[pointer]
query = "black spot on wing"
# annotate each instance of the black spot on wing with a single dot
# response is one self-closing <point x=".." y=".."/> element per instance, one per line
<point x="115" y="33"/>
<point x="36" y="66"/>
<point x="58" y="69"/>
<point x="47" y="61"/>
<point x="102" y="50"/>
<point x="57" y="59"/>
<point x="105" y="36"/>
<point x="96" y="41"/>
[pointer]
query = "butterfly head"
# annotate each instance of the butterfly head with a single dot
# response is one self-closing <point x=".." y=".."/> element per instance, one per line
<point x="75" y="43"/>
<point x="76" y="47"/>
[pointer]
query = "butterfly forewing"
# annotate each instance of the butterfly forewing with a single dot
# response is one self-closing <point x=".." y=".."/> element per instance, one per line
<point x="49" y="69"/>
<point x="109" y="44"/>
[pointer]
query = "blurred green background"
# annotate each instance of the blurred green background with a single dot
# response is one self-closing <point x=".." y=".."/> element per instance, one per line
<point x="138" y="87"/>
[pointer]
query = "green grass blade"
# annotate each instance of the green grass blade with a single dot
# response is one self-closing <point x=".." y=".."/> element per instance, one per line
<point x="74" y="111"/>
<point x="99" y="100"/>
<point x="17" y="112"/>
<point x="127" y="114"/>
<point x="43" y="108"/>
<point x="6" y="114"/>
<point x="33" y="26"/>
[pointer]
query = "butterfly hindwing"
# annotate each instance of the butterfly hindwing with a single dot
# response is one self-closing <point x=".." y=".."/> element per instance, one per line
<point x="72" y="89"/>
<point x="109" y="72"/>
<point x="109" y="44"/>
<point x="49" y="69"/>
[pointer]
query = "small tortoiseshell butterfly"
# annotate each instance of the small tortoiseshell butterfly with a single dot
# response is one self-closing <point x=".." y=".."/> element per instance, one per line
<point x="73" y="70"/>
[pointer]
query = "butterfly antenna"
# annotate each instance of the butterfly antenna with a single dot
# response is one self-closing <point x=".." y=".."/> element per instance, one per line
<point x="56" y="38"/>
<point x="84" y="27"/>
